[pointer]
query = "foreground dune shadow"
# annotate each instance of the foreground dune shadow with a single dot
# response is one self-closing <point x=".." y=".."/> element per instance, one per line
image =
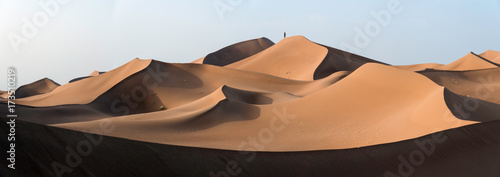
<point x="43" y="151"/>
<point x="58" y="114"/>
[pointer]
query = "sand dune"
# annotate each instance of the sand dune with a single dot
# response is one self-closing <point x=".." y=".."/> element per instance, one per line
<point x="462" y="152"/>
<point x="94" y="73"/>
<point x="491" y="55"/>
<point x="84" y="91"/>
<point x="338" y="60"/>
<point x="331" y="113"/>
<point x="306" y="108"/>
<point x="482" y="84"/>
<point x="468" y="62"/>
<point x="41" y="86"/>
<point x="237" y="52"/>
<point x="199" y="61"/>
<point x="292" y="58"/>
<point x="174" y="85"/>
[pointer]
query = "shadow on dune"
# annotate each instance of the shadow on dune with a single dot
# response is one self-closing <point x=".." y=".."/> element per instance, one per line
<point x="41" y="86"/>
<point x="489" y="61"/>
<point x="463" y="152"/>
<point x="237" y="52"/>
<point x="225" y="111"/>
<point x="469" y="108"/>
<point x="84" y="77"/>
<point x="246" y="96"/>
<point x="137" y="93"/>
<point x="338" y="60"/>
<point x="481" y="84"/>
<point x="58" y="114"/>
<point x="133" y="95"/>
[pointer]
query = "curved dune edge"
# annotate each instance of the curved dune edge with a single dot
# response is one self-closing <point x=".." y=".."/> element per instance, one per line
<point x="337" y="60"/>
<point x="86" y="90"/>
<point x="340" y="116"/>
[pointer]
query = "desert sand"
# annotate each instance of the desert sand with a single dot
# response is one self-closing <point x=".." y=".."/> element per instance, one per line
<point x="296" y="102"/>
<point x="491" y="55"/>
<point x="470" y="61"/>
<point x="41" y="86"/>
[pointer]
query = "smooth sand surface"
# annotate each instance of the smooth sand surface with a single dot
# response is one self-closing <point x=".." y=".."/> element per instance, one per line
<point x="337" y="117"/>
<point x="295" y="95"/>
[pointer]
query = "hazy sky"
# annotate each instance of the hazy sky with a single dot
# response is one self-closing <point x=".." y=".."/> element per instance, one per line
<point x="66" y="39"/>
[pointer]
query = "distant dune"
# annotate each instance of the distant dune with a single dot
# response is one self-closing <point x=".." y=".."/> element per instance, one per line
<point x="41" y="86"/>
<point x="294" y="108"/>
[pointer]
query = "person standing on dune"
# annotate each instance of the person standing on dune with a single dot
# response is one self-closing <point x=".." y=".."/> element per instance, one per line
<point x="284" y="35"/>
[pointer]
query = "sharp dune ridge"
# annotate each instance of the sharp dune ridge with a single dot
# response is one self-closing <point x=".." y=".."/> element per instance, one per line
<point x="294" y="96"/>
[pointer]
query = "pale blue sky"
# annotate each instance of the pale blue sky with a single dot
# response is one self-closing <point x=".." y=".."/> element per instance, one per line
<point x="82" y="36"/>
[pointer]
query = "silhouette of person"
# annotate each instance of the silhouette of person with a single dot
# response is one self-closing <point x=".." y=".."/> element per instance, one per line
<point x="284" y="35"/>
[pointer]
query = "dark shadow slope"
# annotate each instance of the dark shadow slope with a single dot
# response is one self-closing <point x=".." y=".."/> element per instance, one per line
<point x="41" y="86"/>
<point x="237" y="52"/>
<point x="338" y="60"/>
<point x="462" y="152"/>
